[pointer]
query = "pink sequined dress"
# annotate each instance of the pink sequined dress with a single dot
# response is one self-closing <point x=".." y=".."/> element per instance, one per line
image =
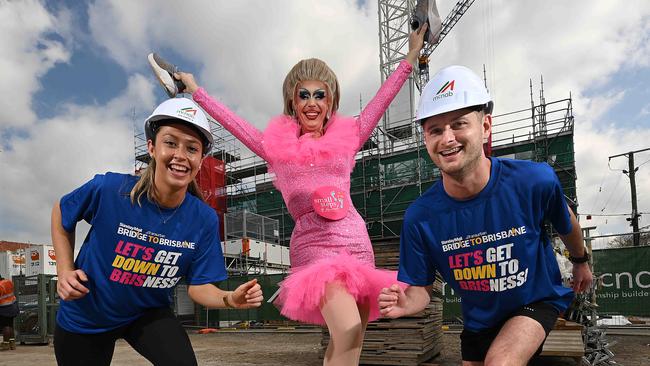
<point x="321" y="250"/>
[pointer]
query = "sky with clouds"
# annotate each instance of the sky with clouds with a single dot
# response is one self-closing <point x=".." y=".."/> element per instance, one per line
<point x="76" y="81"/>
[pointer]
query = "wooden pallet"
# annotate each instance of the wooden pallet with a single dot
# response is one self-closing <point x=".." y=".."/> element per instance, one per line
<point x="565" y="340"/>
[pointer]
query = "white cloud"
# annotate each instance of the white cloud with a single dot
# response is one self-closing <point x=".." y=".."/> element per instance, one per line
<point x="644" y="111"/>
<point x="601" y="182"/>
<point x="28" y="52"/>
<point x="60" y="154"/>
<point x="591" y="110"/>
<point x="248" y="47"/>
<point x="575" y="45"/>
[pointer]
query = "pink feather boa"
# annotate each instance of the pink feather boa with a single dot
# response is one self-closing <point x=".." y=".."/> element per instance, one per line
<point x="283" y="143"/>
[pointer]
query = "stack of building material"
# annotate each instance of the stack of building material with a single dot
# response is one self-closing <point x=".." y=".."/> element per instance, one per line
<point x="406" y="341"/>
<point x="565" y="340"/>
<point x="386" y="254"/>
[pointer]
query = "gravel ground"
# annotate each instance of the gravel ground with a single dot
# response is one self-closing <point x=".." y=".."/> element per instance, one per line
<point x="242" y="348"/>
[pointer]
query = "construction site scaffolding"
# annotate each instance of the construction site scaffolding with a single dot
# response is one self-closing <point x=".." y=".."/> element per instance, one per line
<point x="393" y="167"/>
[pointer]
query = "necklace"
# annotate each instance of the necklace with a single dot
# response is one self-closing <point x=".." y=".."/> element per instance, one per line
<point x="162" y="217"/>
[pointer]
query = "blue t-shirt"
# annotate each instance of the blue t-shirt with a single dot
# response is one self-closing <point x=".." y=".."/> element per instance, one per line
<point x="491" y="249"/>
<point x="134" y="256"/>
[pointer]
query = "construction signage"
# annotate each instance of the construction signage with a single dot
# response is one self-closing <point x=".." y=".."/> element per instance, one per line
<point x="625" y="275"/>
<point x="40" y="259"/>
<point x="12" y="263"/>
<point x="451" y="309"/>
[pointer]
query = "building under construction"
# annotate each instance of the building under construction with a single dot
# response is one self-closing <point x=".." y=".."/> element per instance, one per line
<point x="393" y="168"/>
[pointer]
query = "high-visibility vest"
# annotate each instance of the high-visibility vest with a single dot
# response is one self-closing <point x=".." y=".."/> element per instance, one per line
<point x="7" y="296"/>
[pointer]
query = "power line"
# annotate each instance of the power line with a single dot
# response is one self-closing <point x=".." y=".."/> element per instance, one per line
<point x="610" y="167"/>
<point x="631" y="173"/>
<point x="619" y="200"/>
<point x="600" y="189"/>
<point x="643" y="163"/>
<point x="611" y="215"/>
<point x="611" y="194"/>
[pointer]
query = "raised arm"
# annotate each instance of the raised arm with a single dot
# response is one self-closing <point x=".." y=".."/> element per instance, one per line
<point x="240" y="128"/>
<point x="371" y="114"/>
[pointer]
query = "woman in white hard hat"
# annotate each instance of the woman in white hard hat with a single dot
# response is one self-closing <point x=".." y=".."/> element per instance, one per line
<point x="311" y="151"/>
<point x="146" y="234"/>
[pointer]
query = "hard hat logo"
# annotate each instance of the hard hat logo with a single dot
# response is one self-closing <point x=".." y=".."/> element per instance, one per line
<point x="188" y="113"/>
<point x="448" y="86"/>
<point x="445" y="91"/>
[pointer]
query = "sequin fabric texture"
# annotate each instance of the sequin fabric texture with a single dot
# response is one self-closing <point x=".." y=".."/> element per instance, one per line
<point x="301" y="164"/>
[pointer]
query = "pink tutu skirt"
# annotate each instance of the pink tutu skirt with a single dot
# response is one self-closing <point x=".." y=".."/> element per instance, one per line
<point x="302" y="292"/>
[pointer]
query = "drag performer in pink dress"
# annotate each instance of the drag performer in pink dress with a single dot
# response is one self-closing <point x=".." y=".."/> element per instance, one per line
<point x="311" y="151"/>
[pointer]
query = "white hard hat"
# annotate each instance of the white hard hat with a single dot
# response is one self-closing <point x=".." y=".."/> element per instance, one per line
<point x="452" y="88"/>
<point x="184" y="110"/>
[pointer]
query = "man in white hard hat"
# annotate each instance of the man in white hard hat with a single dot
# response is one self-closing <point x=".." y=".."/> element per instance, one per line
<point x="482" y="228"/>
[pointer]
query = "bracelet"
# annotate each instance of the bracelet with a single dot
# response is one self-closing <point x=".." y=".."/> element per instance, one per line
<point x="585" y="258"/>
<point x="228" y="304"/>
